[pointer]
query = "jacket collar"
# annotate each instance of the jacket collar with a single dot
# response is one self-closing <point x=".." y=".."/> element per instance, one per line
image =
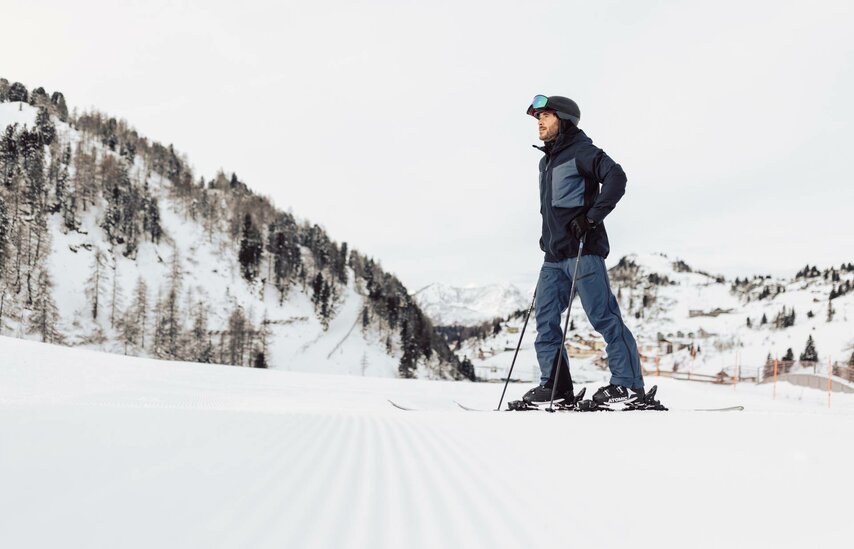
<point x="559" y="143"/>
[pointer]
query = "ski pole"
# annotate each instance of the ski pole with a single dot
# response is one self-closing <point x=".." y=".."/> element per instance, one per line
<point x="518" y="345"/>
<point x="566" y="324"/>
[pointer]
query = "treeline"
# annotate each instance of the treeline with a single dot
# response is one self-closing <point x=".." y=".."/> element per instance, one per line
<point x="115" y="168"/>
<point x="173" y="324"/>
<point x="456" y="334"/>
<point x="32" y="167"/>
<point x="808" y="358"/>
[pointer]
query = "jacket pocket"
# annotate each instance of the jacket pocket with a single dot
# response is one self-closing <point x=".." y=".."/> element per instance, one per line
<point x="567" y="186"/>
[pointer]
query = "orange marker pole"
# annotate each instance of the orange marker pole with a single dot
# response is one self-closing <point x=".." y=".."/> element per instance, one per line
<point x="774" y="392"/>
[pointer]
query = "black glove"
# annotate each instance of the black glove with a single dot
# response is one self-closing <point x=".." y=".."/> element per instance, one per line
<point x="580" y="225"/>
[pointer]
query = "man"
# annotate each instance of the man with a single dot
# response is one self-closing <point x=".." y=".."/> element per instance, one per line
<point x="573" y="207"/>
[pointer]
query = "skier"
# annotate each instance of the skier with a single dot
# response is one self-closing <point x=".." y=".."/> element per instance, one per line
<point x="573" y="207"/>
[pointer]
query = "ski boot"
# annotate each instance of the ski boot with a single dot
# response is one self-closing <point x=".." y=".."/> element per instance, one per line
<point x="646" y="402"/>
<point x="613" y="394"/>
<point x="543" y="395"/>
<point x="538" y="397"/>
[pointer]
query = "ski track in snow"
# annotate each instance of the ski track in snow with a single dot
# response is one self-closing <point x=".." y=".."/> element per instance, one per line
<point x="99" y="450"/>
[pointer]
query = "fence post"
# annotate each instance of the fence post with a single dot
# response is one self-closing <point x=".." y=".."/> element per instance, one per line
<point x="735" y="371"/>
<point x="691" y="368"/>
<point x="657" y="365"/>
<point x="774" y="391"/>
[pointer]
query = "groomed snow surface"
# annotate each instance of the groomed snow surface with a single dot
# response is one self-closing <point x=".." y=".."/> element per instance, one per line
<point x="99" y="450"/>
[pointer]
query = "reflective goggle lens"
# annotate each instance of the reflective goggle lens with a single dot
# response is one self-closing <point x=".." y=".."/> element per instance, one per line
<point x="539" y="101"/>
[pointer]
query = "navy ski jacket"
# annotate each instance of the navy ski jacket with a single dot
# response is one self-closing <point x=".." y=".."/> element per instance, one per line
<point x="571" y="172"/>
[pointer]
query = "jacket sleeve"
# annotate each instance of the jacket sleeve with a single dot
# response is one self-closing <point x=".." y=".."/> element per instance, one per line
<point x="599" y="166"/>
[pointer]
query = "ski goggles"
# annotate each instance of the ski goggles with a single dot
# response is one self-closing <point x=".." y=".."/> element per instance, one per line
<point x="539" y="103"/>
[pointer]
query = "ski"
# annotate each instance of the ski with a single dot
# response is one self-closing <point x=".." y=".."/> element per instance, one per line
<point x="559" y="408"/>
<point x="400" y="407"/>
<point x="579" y="404"/>
<point x="470" y="409"/>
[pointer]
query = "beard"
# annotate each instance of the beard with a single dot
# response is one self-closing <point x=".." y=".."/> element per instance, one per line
<point x="550" y="135"/>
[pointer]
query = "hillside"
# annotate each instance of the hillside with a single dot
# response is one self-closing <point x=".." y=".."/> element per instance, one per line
<point x="674" y="309"/>
<point x="109" y="241"/>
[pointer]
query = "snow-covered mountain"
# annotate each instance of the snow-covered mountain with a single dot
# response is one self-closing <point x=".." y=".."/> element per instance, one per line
<point x="108" y="241"/>
<point x="466" y="306"/>
<point x="673" y="309"/>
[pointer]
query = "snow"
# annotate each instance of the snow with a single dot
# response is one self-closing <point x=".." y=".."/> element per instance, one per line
<point x="211" y="274"/>
<point x="466" y="306"/>
<point x="100" y="450"/>
<point x="19" y="113"/>
<point x="728" y="344"/>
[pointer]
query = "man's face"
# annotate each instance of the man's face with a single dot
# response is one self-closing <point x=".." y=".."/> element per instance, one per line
<point x="548" y="124"/>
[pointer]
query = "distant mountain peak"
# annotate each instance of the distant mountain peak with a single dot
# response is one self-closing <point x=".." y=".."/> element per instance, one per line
<point x="468" y="305"/>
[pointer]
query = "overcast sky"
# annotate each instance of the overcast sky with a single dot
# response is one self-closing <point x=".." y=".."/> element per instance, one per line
<point x="400" y="126"/>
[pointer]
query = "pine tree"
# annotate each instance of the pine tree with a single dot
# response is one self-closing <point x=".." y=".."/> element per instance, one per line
<point x="116" y="296"/>
<point x="261" y="352"/>
<point x="787" y="361"/>
<point x="45" y="314"/>
<point x="341" y="264"/>
<point x="200" y="343"/>
<point x="9" y="155"/>
<point x="151" y="215"/>
<point x="45" y="128"/>
<point x="168" y="326"/>
<point x="18" y="92"/>
<point x="32" y="158"/>
<point x="810" y="354"/>
<point x="9" y="307"/>
<point x="5" y="229"/>
<point x="139" y="311"/>
<point x="172" y="314"/>
<point x="250" y="249"/>
<point x="467" y="369"/>
<point x="366" y="319"/>
<point x="764" y="320"/>
<point x="407" y="364"/>
<point x="237" y="327"/>
<point x="321" y="298"/>
<point x="95" y="286"/>
<point x="129" y="329"/>
<point x="58" y="101"/>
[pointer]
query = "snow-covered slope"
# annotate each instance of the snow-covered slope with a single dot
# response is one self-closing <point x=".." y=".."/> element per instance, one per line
<point x="291" y="332"/>
<point x="669" y="307"/>
<point x="103" y="451"/>
<point x="450" y="305"/>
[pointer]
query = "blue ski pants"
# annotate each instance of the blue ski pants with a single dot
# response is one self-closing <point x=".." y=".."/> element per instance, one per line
<point x="602" y="310"/>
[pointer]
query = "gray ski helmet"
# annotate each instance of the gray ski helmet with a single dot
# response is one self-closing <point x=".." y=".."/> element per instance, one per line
<point x="564" y="107"/>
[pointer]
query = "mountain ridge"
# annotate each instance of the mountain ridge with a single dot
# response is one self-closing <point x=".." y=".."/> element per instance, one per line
<point x="89" y="205"/>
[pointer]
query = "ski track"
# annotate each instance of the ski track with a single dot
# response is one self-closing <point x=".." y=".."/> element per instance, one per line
<point x="165" y="455"/>
<point x="266" y="505"/>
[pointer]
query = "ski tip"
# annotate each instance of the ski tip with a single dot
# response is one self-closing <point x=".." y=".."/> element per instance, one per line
<point x="724" y="409"/>
<point x="468" y="408"/>
<point x="399" y="407"/>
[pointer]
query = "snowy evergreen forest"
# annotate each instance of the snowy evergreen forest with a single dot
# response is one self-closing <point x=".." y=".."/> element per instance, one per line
<point x="75" y="174"/>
